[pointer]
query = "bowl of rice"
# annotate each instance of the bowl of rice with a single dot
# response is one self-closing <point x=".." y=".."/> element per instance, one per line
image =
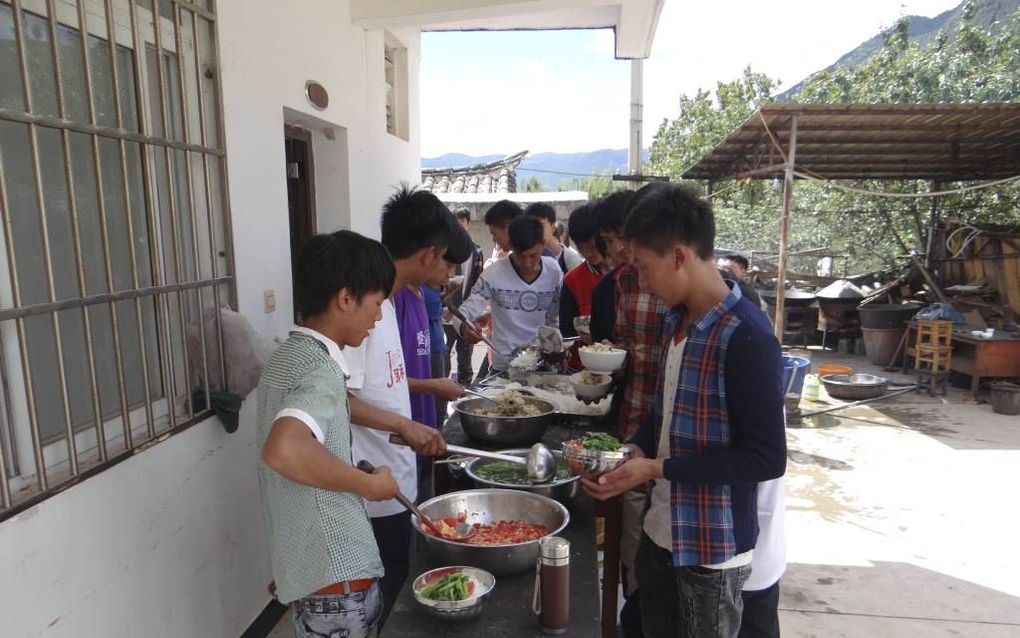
<point x="591" y="385"/>
<point x="601" y="357"/>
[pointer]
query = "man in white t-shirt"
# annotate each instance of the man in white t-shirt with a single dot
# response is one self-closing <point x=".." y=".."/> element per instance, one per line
<point x="523" y="290"/>
<point x="760" y="617"/>
<point x="416" y="229"/>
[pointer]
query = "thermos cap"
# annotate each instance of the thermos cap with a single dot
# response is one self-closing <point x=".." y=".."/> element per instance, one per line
<point x="554" y="547"/>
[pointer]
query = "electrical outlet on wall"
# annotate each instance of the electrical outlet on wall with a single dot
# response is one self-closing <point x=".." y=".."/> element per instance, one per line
<point x="270" y="298"/>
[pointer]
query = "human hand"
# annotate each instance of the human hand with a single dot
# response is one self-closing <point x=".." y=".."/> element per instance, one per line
<point x="630" y="474"/>
<point x="469" y="334"/>
<point x="446" y="389"/>
<point x="423" y="439"/>
<point x="381" y="486"/>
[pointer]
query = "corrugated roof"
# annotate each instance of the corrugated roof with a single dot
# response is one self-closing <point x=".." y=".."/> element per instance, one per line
<point x="945" y="142"/>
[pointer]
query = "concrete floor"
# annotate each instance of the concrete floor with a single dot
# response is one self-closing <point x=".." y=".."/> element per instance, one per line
<point x="901" y="519"/>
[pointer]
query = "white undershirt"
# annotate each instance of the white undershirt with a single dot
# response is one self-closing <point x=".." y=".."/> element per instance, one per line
<point x="659" y="517"/>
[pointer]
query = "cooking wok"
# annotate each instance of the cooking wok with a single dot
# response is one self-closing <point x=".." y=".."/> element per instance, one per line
<point x="792" y="297"/>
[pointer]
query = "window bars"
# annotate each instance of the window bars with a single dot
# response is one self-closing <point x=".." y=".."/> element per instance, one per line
<point x="116" y="235"/>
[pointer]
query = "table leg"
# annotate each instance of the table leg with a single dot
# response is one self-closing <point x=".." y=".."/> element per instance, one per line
<point x="612" y="512"/>
<point x="975" y="381"/>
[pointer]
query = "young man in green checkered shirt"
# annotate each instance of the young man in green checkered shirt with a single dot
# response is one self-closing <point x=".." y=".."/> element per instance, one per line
<point x="324" y="555"/>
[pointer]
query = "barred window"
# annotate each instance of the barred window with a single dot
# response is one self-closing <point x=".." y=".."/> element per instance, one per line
<point x="115" y="233"/>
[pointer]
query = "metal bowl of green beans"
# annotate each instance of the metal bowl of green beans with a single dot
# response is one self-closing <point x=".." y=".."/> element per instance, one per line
<point x="453" y="593"/>
<point x="489" y="473"/>
<point x="594" y="454"/>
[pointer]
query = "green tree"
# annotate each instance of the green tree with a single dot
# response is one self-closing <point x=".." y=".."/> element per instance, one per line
<point x="969" y="64"/>
<point x="533" y="185"/>
<point x="597" y="186"/>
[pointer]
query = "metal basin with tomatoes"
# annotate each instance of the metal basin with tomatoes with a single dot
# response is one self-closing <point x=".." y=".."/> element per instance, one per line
<point x="489" y="507"/>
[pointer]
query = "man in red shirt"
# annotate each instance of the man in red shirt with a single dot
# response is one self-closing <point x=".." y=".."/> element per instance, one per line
<point x="579" y="283"/>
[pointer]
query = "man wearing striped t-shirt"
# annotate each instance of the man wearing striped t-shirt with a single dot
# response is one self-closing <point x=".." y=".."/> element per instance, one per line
<point x="324" y="556"/>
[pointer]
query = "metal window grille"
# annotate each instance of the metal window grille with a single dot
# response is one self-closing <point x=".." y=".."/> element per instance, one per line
<point x="116" y="236"/>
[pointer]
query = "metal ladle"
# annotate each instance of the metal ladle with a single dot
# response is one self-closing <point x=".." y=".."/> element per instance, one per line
<point x="540" y="462"/>
<point x="463" y="531"/>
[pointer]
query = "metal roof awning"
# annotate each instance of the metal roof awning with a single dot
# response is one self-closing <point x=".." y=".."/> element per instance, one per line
<point x="941" y="142"/>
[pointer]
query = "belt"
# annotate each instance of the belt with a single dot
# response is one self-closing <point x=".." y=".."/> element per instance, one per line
<point x="346" y="587"/>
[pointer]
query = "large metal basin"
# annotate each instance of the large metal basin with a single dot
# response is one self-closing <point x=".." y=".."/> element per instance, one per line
<point x="855" y="387"/>
<point x="792" y="298"/>
<point x="507" y="431"/>
<point x="562" y="490"/>
<point x="486" y="506"/>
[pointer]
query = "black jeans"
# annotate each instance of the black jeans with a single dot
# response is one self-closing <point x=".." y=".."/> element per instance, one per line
<point x="393" y="536"/>
<point x="761" y="613"/>
<point x="465" y="369"/>
<point x="692" y="602"/>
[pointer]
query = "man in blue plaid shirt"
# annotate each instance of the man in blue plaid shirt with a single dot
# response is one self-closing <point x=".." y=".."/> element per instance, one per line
<point x="716" y="428"/>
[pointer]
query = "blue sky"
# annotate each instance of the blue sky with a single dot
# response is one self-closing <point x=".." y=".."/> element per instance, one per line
<point x="562" y="91"/>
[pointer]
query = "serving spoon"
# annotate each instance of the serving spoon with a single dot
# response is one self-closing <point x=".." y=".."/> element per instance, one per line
<point x="463" y="531"/>
<point x="540" y="462"/>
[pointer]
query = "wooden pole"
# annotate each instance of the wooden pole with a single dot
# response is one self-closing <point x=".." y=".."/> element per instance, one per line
<point x="784" y="231"/>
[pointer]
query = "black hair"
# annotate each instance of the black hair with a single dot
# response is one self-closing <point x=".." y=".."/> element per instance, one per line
<point x="601" y="246"/>
<point x="413" y="220"/>
<point x="610" y="212"/>
<point x="327" y="264"/>
<point x="581" y="225"/>
<point x="462" y="213"/>
<point x="502" y="213"/>
<point x="662" y="215"/>
<point x="541" y="210"/>
<point x="738" y="259"/>
<point x="460" y="246"/>
<point x="525" y="232"/>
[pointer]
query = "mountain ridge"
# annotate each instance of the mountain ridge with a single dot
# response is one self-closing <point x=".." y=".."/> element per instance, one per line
<point x="552" y="169"/>
<point x="921" y="30"/>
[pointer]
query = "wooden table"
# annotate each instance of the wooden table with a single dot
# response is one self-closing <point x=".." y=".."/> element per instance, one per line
<point x="976" y="357"/>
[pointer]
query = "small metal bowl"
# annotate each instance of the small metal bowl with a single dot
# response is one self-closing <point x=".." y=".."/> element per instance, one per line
<point x="592" y="464"/>
<point x="460" y="610"/>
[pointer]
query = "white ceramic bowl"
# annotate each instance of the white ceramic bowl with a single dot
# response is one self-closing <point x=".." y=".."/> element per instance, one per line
<point x="588" y="391"/>
<point x="603" y="361"/>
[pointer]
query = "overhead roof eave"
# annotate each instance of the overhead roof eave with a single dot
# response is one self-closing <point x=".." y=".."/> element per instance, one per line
<point x="944" y="142"/>
<point x="633" y="21"/>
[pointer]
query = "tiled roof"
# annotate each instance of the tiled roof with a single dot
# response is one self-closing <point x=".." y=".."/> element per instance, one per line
<point x="495" y="177"/>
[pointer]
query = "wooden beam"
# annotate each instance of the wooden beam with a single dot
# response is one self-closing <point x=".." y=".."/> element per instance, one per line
<point x="784" y="230"/>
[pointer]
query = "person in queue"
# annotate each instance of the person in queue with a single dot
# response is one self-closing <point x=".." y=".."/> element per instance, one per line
<point x="523" y="291"/>
<point x="580" y="282"/>
<point x="627" y="314"/>
<point x="325" y="559"/>
<point x="717" y="428"/>
<point x="416" y="231"/>
<point x="470" y="270"/>
<point x="498" y="219"/>
<point x="735" y="267"/>
<point x="565" y="256"/>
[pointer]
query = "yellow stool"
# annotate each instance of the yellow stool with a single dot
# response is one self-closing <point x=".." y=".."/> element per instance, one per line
<point x="933" y="354"/>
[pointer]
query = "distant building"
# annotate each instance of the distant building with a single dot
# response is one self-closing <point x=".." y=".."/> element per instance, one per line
<point x="478" y="187"/>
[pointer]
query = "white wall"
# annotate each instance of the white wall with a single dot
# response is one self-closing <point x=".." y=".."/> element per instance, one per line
<point x="170" y="542"/>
